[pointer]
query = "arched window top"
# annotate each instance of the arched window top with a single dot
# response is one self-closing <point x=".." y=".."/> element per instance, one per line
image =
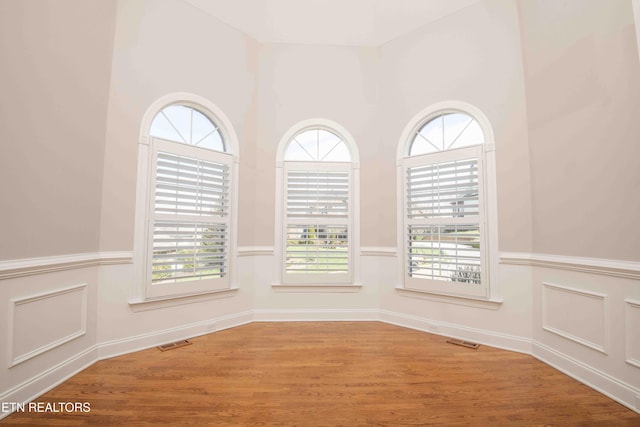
<point x="317" y="145"/>
<point x="446" y="130"/>
<point x="187" y="124"/>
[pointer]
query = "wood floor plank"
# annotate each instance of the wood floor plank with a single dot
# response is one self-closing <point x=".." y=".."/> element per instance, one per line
<point x="327" y="374"/>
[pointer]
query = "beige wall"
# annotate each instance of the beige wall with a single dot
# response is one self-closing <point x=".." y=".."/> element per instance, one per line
<point x="473" y="56"/>
<point x="161" y="47"/>
<point x="582" y="83"/>
<point x="300" y="82"/>
<point x="583" y="102"/>
<point x="55" y="68"/>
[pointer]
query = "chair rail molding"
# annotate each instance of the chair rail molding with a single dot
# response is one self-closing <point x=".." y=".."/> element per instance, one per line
<point x="606" y="267"/>
<point x="11" y="269"/>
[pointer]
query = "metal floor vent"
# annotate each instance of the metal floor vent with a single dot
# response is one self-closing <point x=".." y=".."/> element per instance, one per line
<point x="463" y="343"/>
<point x="172" y="345"/>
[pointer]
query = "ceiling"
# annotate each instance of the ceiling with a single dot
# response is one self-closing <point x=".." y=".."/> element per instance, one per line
<point x="328" y="22"/>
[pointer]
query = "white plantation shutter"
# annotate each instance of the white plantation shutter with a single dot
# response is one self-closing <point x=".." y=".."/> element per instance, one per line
<point x="188" y="251"/>
<point x="186" y="185"/>
<point x="189" y="224"/>
<point x="447" y="189"/>
<point x="316" y="222"/>
<point x="317" y="193"/>
<point x="444" y="222"/>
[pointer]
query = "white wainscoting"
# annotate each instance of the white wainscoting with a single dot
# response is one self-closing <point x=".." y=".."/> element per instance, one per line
<point x="45" y="321"/>
<point x="632" y="332"/>
<point x="48" y="327"/>
<point x="577" y="315"/>
<point x="586" y="320"/>
<point x="596" y="302"/>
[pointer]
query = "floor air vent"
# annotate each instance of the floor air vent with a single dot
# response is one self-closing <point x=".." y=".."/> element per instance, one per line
<point x="172" y="345"/>
<point x="463" y="343"/>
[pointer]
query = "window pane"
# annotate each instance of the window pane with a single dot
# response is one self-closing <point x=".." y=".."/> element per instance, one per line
<point x="446" y="132"/>
<point x="317" y="248"/>
<point x="327" y="141"/>
<point x="181" y="123"/>
<point x="213" y="142"/>
<point x="184" y="251"/>
<point x="307" y="142"/>
<point x="472" y="135"/>
<point x="180" y="117"/>
<point x="433" y="134"/>
<point x="340" y="153"/>
<point x="161" y="128"/>
<point x="317" y="145"/>
<point x="201" y="127"/>
<point x="295" y="152"/>
<point x="461" y="130"/>
<point x="448" y="252"/>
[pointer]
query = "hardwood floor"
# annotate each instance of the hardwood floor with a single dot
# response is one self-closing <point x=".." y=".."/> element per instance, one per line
<point x="326" y="374"/>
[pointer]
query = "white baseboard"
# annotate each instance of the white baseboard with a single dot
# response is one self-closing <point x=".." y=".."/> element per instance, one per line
<point x="52" y="377"/>
<point x="298" y="315"/>
<point x="600" y="381"/>
<point x="135" y="343"/>
<point x="480" y="336"/>
<point x="614" y="388"/>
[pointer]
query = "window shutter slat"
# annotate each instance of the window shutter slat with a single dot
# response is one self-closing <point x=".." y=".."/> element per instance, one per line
<point x="186" y="186"/>
<point x="451" y="190"/>
<point x="317" y="193"/>
<point x="317" y="248"/>
<point x="443" y="235"/>
<point x="186" y="251"/>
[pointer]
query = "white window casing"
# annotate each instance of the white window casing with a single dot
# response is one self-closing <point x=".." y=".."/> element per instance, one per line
<point x="316" y="223"/>
<point x="317" y="207"/>
<point x="186" y="219"/>
<point x="447" y="219"/>
<point x="189" y="220"/>
<point x="444" y="222"/>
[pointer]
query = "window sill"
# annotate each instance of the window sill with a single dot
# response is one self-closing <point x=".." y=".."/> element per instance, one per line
<point x="469" y="301"/>
<point x="171" y="301"/>
<point x="336" y="288"/>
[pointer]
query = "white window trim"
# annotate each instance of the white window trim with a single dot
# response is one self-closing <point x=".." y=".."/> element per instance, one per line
<point x="354" y="212"/>
<point x="636" y="17"/>
<point x="144" y="193"/>
<point x="491" y="214"/>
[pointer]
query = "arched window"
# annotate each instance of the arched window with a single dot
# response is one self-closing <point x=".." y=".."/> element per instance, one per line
<point x="317" y="205"/>
<point x="446" y="131"/>
<point x="317" y="145"/>
<point x="186" y="124"/>
<point x="190" y="201"/>
<point x="443" y="169"/>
